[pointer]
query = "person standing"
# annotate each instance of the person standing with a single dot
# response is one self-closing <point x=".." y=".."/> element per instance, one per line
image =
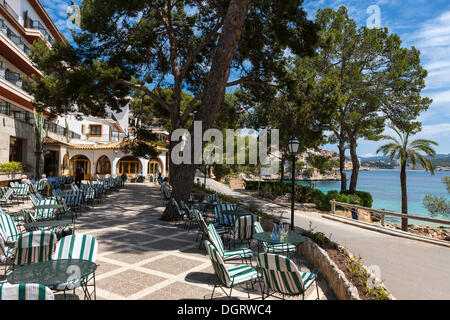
<point x="79" y="175"/>
<point x="354" y="211"/>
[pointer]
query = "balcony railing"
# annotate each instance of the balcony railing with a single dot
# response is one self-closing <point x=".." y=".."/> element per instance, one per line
<point x="28" y="117"/>
<point x="13" y="37"/>
<point x="12" y="77"/>
<point x="117" y="136"/>
<point x="10" y="10"/>
<point x="36" y="24"/>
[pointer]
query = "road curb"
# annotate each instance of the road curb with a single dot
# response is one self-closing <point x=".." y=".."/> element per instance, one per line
<point x="396" y="233"/>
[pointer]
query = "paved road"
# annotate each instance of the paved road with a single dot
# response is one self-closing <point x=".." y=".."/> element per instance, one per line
<point x="410" y="269"/>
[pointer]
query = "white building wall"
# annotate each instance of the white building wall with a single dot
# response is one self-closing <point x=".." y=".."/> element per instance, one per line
<point x="114" y="156"/>
<point x="122" y="117"/>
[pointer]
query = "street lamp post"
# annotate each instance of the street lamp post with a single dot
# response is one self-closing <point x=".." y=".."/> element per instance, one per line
<point x="293" y="149"/>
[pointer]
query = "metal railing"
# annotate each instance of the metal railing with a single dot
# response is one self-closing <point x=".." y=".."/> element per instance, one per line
<point x="383" y="213"/>
<point x="28" y="117"/>
<point x="36" y="24"/>
<point x="10" y="10"/>
<point x="13" y="37"/>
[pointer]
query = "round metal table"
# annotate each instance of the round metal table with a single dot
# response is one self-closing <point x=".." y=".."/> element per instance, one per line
<point x="237" y="213"/>
<point x="291" y="238"/>
<point x="55" y="272"/>
<point x="51" y="224"/>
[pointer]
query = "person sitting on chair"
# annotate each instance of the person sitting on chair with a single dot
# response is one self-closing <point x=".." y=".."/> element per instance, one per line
<point x="160" y="178"/>
<point x="47" y="185"/>
<point x="53" y="181"/>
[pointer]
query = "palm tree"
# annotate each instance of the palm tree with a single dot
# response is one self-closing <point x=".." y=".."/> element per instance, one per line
<point x="403" y="150"/>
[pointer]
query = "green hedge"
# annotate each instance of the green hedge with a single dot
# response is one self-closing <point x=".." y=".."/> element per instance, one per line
<point x="304" y="194"/>
<point x="366" y="198"/>
<point x="12" y="167"/>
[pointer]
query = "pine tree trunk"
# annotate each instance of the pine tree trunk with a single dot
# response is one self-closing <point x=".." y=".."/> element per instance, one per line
<point x="182" y="181"/>
<point x="404" y="196"/>
<point x="182" y="176"/>
<point x="355" y="163"/>
<point x="341" y="147"/>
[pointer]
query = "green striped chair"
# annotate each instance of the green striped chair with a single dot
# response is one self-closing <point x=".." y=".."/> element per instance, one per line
<point x="231" y="276"/>
<point x="8" y="236"/>
<point x="6" y="197"/>
<point x="189" y="215"/>
<point x="82" y="247"/>
<point x="224" y="219"/>
<point x="29" y="217"/>
<point x="44" y="214"/>
<point x="8" y="228"/>
<point x="281" y="275"/>
<point x="243" y="228"/>
<point x="274" y="248"/>
<point x="226" y="255"/>
<point x="22" y="190"/>
<point x="180" y="212"/>
<point x="28" y="291"/>
<point x="35" y="246"/>
<point x="34" y="199"/>
<point x="203" y="228"/>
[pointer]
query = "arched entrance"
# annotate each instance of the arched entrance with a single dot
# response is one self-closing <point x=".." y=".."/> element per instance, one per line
<point x="128" y="165"/>
<point x="84" y="162"/>
<point x="154" y="166"/>
<point x="103" y="166"/>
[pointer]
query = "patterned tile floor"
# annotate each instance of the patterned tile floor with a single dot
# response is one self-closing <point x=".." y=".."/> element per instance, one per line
<point x="141" y="257"/>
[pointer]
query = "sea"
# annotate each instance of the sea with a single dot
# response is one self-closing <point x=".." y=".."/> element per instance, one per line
<point x="384" y="185"/>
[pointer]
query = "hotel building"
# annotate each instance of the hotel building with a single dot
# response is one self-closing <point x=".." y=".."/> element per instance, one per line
<point x="94" y="142"/>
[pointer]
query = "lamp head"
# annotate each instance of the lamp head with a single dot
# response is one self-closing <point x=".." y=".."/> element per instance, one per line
<point x="294" y="143"/>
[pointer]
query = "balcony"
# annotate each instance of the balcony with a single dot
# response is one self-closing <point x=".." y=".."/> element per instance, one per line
<point x="36" y="24"/>
<point x="9" y="9"/>
<point x="28" y="117"/>
<point x="13" y="37"/>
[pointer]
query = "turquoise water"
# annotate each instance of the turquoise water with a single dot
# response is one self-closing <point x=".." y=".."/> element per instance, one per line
<point x="384" y="185"/>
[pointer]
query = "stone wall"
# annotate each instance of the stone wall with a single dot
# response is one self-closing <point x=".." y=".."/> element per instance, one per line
<point x="342" y="288"/>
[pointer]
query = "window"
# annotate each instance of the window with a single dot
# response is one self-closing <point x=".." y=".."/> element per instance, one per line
<point x="95" y="130"/>
<point x="103" y="165"/>
<point x="154" y="166"/>
<point x="128" y="165"/>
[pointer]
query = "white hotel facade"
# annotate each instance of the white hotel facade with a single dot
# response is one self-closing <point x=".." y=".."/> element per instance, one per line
<point x="94" y="142"/>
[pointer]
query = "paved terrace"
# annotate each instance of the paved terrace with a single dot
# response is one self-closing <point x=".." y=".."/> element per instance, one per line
<point x="141" y="257"/>
<point x="410" y="269"/>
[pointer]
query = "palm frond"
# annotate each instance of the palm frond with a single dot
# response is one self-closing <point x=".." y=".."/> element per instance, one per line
<point x="425" y="162"/>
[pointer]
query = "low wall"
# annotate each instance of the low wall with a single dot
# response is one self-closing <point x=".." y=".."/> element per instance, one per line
<point x="342" y="288"/>
<point x="5" y="178"/>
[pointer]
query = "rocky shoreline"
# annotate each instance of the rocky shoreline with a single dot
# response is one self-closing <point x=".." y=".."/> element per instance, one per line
<point x="438" y="233"/>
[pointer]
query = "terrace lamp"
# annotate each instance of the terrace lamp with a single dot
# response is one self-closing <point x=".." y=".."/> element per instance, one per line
<point x="293" y="149"/>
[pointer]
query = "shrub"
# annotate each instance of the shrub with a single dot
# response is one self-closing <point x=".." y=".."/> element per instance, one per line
<point x="366" y="198"/>
<point x="324" y="202"/>
<point x="11" y="167"/>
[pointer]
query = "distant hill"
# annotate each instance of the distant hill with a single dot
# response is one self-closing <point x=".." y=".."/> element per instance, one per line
<point x="441" y="162"/>
<point x="377" y="158"/>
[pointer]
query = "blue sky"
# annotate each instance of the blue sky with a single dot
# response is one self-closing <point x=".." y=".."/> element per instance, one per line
<point x="424" y="24"/>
